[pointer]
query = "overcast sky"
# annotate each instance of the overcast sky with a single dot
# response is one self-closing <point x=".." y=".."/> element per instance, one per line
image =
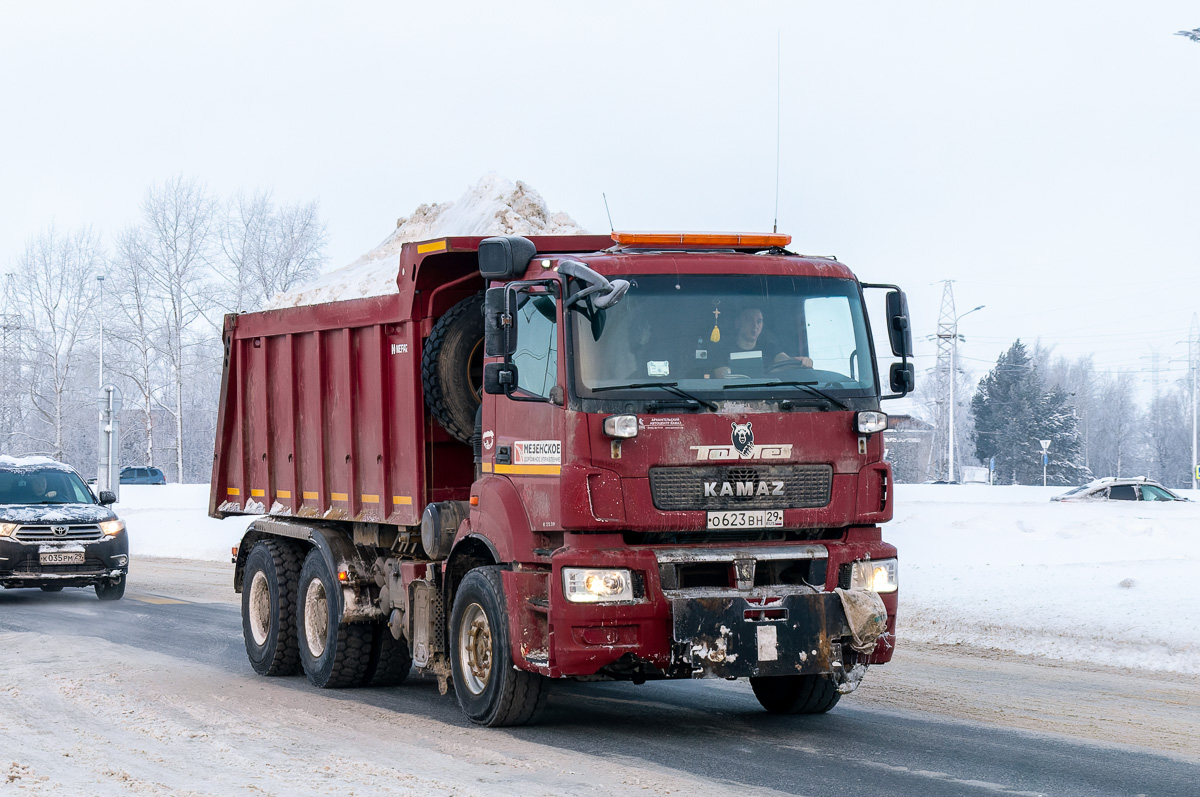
<point x="1042" y="155"/>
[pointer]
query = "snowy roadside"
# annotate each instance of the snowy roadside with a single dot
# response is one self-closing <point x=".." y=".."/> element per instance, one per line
<point x="992" y="567"/>
<point x="1005" y="568"/>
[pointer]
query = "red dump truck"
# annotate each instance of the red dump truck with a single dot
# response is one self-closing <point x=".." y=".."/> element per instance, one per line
<point x="633" y="457"/>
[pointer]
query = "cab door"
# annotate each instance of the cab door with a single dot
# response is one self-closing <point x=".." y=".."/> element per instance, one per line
<point x="527" y="433"/>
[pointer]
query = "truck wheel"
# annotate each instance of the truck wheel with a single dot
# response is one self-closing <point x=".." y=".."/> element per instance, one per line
<point x="490" y="689"/>
<point x="269" y="608"/>
<point x="796" y="694"/>
<point x="110" y="590"/>
<point x="452" y="367"/>
<point x="333" y="654"/>
<point x="390" y="660"/>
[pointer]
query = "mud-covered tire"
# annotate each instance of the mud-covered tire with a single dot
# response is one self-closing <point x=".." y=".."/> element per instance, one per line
<point x="490" y="689"/>
<point x="452" y="367"/>
<point x="390" y="660"/>
<point x="269" y="607"/>
<point x="111" y="590"/>
<point x="796" y="694"/>
<point x="334" y="654"/>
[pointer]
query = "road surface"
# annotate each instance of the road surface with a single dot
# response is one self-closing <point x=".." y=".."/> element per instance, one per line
<point x="153" y="695"/>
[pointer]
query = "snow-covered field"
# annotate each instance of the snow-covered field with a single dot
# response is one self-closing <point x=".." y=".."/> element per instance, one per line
<point x="998" y="567"/>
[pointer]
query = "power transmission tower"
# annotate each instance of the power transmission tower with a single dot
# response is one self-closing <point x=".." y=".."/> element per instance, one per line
<point x="943" y="380"/>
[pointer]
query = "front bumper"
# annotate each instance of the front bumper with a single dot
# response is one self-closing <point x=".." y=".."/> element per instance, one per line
<point x="105" y="560"/>
<point x="673" y="630"/>
<point x="731" y="636"/>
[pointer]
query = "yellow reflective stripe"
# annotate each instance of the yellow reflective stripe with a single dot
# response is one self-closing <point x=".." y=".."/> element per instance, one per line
<point x="370" y="499"/>
<point x="234" y="491"/>
<point x="530" y="470"/>
<point x="432" y="246"/>
<point x="283" y="493"/>
<point x="404" y="500"/>
<point x="257" y="493"/>
<point x="339" y="496"/>
<point x="307" y="496"/>
<point x="487" y="467"/>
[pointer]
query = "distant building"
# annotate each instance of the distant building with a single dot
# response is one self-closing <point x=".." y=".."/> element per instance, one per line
<point x="908" y="444"/>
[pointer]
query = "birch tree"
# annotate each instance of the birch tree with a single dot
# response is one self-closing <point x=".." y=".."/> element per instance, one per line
<point x="56" y="285"/>
<point x="139" y="328"/>
<point x="267" y="250"/>
<point x="174" y="243"/>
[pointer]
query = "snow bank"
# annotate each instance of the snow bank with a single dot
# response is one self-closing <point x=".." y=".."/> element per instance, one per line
<point x="172" y="520"/>
<point x="1004" y="567"/>
<point x="494" y="206"/>
<point x="999" y="567"/>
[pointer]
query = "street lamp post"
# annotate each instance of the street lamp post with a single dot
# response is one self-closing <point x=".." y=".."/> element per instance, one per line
<point x="100" y="318"/>
<point x="953" y="351"/>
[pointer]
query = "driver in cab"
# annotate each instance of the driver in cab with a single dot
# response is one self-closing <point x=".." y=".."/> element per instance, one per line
<point x="750" y="353"/>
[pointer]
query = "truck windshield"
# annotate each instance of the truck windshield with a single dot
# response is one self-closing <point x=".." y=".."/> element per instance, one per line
<point x="768" y="335"/>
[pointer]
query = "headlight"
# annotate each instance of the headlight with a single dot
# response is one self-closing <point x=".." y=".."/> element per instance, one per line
<point x="621" y="426"/>
<point x="878" y="575"/>
<point x="587" y="585"/>
<point x="7" y="529"/>
<point x="111" y="528"/>
<point x="870" y="422"/>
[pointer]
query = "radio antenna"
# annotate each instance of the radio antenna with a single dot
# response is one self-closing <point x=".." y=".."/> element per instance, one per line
<point x="778" y="50"/>
<point x="606" y="210"/>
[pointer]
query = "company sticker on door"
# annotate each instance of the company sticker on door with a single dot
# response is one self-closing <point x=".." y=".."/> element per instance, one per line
<point x="537" y="452"/>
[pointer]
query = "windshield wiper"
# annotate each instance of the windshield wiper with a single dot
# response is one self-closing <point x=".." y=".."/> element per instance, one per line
<point x="672" y="387"/>
<point x="806" y="385"/>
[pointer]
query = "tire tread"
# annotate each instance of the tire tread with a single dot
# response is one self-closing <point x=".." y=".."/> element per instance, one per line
<point x="285" y="558"/>
<point x="437" y="393"/>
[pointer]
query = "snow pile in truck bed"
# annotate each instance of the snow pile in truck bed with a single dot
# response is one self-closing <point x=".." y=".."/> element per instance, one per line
<point x="998" y="567"/>
<point x="494" y="206"/>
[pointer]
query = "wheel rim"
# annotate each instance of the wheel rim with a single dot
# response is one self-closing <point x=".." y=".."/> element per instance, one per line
<point x="260" y="608"/>
<point x="316" y="618"/>
<point x="475" y="649"/>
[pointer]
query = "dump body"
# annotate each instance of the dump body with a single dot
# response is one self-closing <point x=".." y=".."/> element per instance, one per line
<point x="722" y="521"/>
<point x="322" y="413"/>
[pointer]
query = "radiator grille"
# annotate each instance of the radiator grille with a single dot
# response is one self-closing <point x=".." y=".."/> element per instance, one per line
<point x="786" y="487"/>
<point x="46" y="533"/>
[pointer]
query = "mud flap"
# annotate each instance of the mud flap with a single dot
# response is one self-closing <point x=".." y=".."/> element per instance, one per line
<point x="730" y="637"/>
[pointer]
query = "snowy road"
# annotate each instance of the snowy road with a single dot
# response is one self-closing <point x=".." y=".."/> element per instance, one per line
<point x="153" y="696"/>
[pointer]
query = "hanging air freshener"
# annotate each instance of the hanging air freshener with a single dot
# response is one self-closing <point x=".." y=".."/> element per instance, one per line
<point x="715" y="337"/>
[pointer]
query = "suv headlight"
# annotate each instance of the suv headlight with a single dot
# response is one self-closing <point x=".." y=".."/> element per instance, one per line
<point x="7" y="529"/>
<point x="112" y="528"/>
<point x="593" y="585"/>
<point x="878" y="575"/>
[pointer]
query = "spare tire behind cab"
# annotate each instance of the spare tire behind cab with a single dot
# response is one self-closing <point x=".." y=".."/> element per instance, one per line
<point x="452" y="367"/>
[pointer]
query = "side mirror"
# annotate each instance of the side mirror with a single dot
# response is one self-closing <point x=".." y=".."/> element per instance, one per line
<point x="505" y="257"/>
<point x="499" y="332"/>
<point x="899" y="330"/>
<point x="107" y="497"/>
<point x="499" y="379"/>
<point x="903" y="377"/>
